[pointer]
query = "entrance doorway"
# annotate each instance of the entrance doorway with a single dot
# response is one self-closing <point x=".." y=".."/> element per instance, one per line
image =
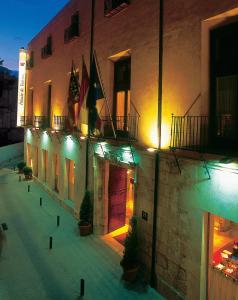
<point x="117" y="197"/>
<point x="120" y="201"/>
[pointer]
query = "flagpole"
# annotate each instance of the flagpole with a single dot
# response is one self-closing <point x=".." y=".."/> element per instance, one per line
<point x="90" y="83"/>
<point x="103" y="90"/>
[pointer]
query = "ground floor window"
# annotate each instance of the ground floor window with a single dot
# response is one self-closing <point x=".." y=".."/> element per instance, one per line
<point x="225" y="246"/>
<point x="56" y="173"/>
<point x="44" y="164"/>
<point x="70" y="166"/>
<point x="223" y="276"/>
<point x="29" y="155"/>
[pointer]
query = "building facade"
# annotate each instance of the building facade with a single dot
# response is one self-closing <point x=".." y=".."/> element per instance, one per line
<point x="8" y="112"/>
<point x="197" y="171"/>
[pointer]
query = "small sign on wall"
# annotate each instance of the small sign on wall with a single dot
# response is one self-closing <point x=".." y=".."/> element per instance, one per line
<point x="144" y="215"/>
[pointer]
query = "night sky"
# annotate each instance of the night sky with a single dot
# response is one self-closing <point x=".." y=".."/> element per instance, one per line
<point x="20" y="21"/>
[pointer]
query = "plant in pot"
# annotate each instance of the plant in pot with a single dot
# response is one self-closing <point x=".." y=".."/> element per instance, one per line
<point x="85" y="224"/>
<point x="21" y="166"/>
<point x="130" y="260"/>
<point x="27" y="172"/>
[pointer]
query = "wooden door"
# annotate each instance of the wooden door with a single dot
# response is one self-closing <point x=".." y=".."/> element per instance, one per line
<point x="117" y="189"/>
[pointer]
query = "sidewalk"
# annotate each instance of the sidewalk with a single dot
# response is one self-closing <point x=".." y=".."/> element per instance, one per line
<point x="30" y="271"/>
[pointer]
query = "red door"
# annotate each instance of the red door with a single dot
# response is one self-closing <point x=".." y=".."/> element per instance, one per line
<point x="117" y="197"/>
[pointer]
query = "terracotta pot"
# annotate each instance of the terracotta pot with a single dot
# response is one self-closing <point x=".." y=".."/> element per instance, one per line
<point x="85" y="229"/>
<point x="130" y="273"/>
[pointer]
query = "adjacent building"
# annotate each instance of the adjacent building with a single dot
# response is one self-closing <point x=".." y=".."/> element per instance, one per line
<point x="196" y="166"/>
<point x="8" y="110"/>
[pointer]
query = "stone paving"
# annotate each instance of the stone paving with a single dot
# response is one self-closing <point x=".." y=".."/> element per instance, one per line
<point x="29" y="270"/>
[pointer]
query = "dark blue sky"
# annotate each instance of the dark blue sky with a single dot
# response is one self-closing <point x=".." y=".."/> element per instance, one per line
<point x="20" y="21"/>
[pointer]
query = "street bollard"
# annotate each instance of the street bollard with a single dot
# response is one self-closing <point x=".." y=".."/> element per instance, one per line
<point x="81" y="287"/>
<point x="20" y="178"/>
<point x="40" y="201"/>
<point x="58" y="221"/>
<point x="29" y="188"/>
<point x="50" y="242"/>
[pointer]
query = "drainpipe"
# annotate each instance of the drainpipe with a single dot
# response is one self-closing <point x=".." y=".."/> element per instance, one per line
<point x="153" y="277"/>
<point x="91" y="60"/>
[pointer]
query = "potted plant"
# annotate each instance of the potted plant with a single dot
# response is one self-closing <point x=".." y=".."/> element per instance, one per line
<point x="27" y="172"/>
<point x="20" y="166"/>
<point x="130" y="260"/>
<point x="85" y="224"/>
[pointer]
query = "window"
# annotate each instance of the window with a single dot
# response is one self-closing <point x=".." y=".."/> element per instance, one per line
<point x="223" y="85"/>
<point x="49" y="92"/>
<point x="47" y="49"/>
<point x="30" y="61"/>
<point x="122" y="83"/>
<point x="73" y="30"/>
<point x="112" y="7"/>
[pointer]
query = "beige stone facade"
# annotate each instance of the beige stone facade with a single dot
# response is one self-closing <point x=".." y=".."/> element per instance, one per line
<point x="186" y="199"/>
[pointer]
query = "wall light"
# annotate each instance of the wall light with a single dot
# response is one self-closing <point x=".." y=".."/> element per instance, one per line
<point x="69" y="142"/>
<point x="151" y="149"/>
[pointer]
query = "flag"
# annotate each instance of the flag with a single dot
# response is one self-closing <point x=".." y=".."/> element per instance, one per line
<point x="95" y="92"/>
<point x="95" y="89"/>
<point x="73" y="96"/>
<point x="83" y="87"/>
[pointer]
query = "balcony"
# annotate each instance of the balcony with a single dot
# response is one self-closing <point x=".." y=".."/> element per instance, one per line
<point x="26" y="121"/>
<point x="60" y="123"/>
<point x="112" y="7"/>
<point x="126" y="127"/>
<point x="216" y="134"/>
<point x="41" y="122"/>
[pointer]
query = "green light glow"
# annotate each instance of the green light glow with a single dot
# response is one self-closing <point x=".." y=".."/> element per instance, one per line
<point x="28" y="134"/>
<point x="69" y="143"/>
<point x="226" y="181"/>
<point x="45" y="137"/>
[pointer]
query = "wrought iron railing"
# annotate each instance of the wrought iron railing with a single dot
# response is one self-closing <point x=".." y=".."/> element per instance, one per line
<point x="125" y="127"/>
<point x="203" y="133"/>
<point x="42" y="122"/>
<point x="60" y="123"/>
<point x="26" y="121"/>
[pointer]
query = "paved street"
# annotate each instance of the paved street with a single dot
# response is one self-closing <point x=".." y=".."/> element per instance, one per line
<point x="30" y="271"/>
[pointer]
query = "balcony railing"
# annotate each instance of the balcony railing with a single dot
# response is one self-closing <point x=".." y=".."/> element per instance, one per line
<point x="26" y="121"/>
<point x="204" y="134"/>
<point x="60" y="123"/>
<point x="126" y="127"/>
<point x="112" y="7"/>
<point x="42" y="122"/>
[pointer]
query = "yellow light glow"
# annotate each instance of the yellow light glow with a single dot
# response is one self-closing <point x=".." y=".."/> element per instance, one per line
<point x="84" y="128"/>
<point x="165" y="135"/>
<point x="82" y="137"/>
<point x="153" y="134"/>
<point x="151" y="149"/>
